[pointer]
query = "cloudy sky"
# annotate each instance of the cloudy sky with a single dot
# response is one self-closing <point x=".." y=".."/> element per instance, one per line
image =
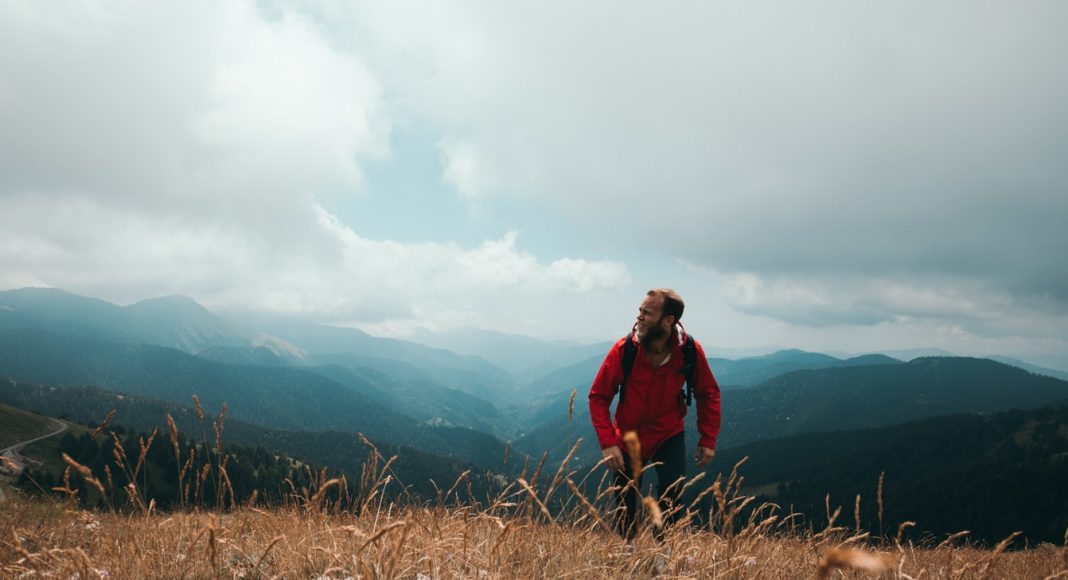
<point x="837" y="176"/>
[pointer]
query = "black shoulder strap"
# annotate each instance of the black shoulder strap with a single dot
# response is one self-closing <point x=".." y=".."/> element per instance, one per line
<point x="629" y="353"/>
<point x="689" y="366"/>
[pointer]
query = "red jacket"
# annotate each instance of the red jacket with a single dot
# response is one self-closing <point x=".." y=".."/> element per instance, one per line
<point x="651" y="404"/>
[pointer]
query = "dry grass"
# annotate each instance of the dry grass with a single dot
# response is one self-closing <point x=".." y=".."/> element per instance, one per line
<point x="441" y="543"/>
<point x="546" y="529"/>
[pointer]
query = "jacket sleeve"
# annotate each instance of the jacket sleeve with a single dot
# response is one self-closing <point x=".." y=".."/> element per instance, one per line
<point x="709" y="412"/>
<point x="602" y="391"/>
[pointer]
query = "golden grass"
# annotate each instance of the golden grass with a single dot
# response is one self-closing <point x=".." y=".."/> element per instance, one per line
<point x="530" y="530"/>
<point x="292" y="542"/>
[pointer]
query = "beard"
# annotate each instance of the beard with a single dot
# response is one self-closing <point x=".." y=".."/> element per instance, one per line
<point x="653" y="333"/>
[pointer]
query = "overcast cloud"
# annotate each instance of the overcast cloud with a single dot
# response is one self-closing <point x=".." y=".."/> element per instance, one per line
<point x="820" y="174"/>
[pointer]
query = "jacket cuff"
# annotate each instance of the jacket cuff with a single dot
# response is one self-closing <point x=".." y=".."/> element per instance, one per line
<point x="710" y="443"/>
<point x="606" y="443"/>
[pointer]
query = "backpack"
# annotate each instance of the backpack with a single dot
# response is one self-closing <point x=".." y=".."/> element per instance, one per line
<point x="689" y="365"/>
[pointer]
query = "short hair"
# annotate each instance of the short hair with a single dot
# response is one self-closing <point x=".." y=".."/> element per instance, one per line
<point x="673" y="304"/>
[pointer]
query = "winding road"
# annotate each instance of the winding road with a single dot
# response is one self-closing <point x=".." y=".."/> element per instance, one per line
<point x="11" y="451"/>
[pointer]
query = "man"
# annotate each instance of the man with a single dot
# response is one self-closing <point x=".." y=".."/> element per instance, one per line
<point x="653" y="404"/>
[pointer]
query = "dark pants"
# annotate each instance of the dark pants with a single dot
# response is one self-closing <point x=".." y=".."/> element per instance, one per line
<point x="670" y="458"/>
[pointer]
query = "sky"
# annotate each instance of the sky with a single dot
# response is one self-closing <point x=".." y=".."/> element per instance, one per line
<point x="832" y="176"/>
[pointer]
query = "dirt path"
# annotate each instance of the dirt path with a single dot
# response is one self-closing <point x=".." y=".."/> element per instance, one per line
<point x="11" y="452"/>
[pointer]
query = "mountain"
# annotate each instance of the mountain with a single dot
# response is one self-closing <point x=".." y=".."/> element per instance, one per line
<point x="1055" y="373"/>
<point x="559" y="382"/>
<point x="522" y="356"/>
<point x="333" y="345"/>
<point x="277" y="397"/>
<point x="755" y="370"/>
<point x="871" y="396"/>
<point x="832" y="399"/>
<point x="555" y="387"/>
<point x="256" y="454"/>
<point x="173" y="321"/>
<point x="990" y="474"/>
<point x="243" y="355"/>
<point x="425" y="401"/>
<point x="180" y="322"/>
<point x="90" y="405"/>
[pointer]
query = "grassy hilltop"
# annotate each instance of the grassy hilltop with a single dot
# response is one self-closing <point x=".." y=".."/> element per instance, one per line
<point x="325" y="529"/>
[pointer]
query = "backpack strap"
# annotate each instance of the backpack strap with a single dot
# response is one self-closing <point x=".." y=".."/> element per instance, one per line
<point x="630" y="352"/>
<point x="689" y="366"/>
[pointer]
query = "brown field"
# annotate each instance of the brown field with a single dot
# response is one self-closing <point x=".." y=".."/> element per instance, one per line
<point x="314" y="537"/>
<point x="330" y="531"/>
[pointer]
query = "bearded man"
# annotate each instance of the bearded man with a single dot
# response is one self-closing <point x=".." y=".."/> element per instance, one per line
<point x="653" y="404"/>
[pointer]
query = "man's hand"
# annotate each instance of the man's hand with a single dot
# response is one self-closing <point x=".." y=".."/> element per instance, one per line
<point x="613" y="458"/>
<point x="704" y="456"/>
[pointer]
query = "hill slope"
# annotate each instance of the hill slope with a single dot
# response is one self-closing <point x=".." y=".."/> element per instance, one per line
<point x="871" y="396"/>
<point x="848" y="397"/>
<point x="172" y="321"/>
<point x="443" y="450"/>
<point x="992" y="474"/>
<point x="17" y="425"/>
<point x="278" y="398"/>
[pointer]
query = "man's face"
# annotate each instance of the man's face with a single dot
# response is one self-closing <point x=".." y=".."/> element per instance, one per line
<point x="651" y="322"/>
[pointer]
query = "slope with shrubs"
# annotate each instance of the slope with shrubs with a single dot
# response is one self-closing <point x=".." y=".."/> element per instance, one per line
<point x="17" y="425"/>
<point x="278" y="398"/>
<point x="449" y="451"/>
<point x="989" y="474"/>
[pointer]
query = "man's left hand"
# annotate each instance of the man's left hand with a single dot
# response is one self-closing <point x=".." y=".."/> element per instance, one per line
<point x="704" y="456"/>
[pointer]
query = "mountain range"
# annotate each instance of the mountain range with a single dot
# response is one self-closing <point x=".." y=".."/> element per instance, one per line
<point x="299" y="387"/>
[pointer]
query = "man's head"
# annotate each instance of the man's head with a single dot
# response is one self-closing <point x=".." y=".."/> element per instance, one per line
<point x="658" y="313"/>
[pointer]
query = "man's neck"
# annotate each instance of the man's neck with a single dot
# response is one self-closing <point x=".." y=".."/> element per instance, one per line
<point x="658" y="346"/>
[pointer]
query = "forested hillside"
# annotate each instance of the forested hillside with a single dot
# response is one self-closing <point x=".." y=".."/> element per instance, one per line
<point x="988" y="474"/>
<point x="444" y="451"/>
<point x="845" y="397"/>
<point x="872" y="396"/>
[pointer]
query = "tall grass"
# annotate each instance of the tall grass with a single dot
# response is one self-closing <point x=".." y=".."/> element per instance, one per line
<point x="533" y="527"/>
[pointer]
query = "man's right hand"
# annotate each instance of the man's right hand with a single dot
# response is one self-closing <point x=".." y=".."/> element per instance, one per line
<point x="613" y="458"/>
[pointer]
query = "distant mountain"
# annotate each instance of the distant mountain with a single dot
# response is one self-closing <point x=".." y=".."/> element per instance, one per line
<point x="907" y="354"/>
<point x="275" y="397"/>
<point x="173" y="321"/>
<point x="871" y="396"/>
<point x="523" y="356"/>
<point x="755" y="370"/>
<point x="989" y="474"/>
<point x="1057" y="374"/>
<point x="426" y="401"/>
<point x="332" y="345"/>
<point x="833" y="399"/>
<point x="243" y="355"/>
<point x="579" y="376"/>
<point x="180" y="322"/>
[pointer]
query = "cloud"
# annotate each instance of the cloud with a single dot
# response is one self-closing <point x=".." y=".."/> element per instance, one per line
<point x="210" y="111"/>
<point x="829" y="165"/>
<point x="857" y="301"/>
<point x="900" y="142"/>
<point x="192" y="149"/>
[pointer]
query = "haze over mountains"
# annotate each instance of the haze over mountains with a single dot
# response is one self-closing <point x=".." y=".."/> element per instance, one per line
<point x="466" y="397"/>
